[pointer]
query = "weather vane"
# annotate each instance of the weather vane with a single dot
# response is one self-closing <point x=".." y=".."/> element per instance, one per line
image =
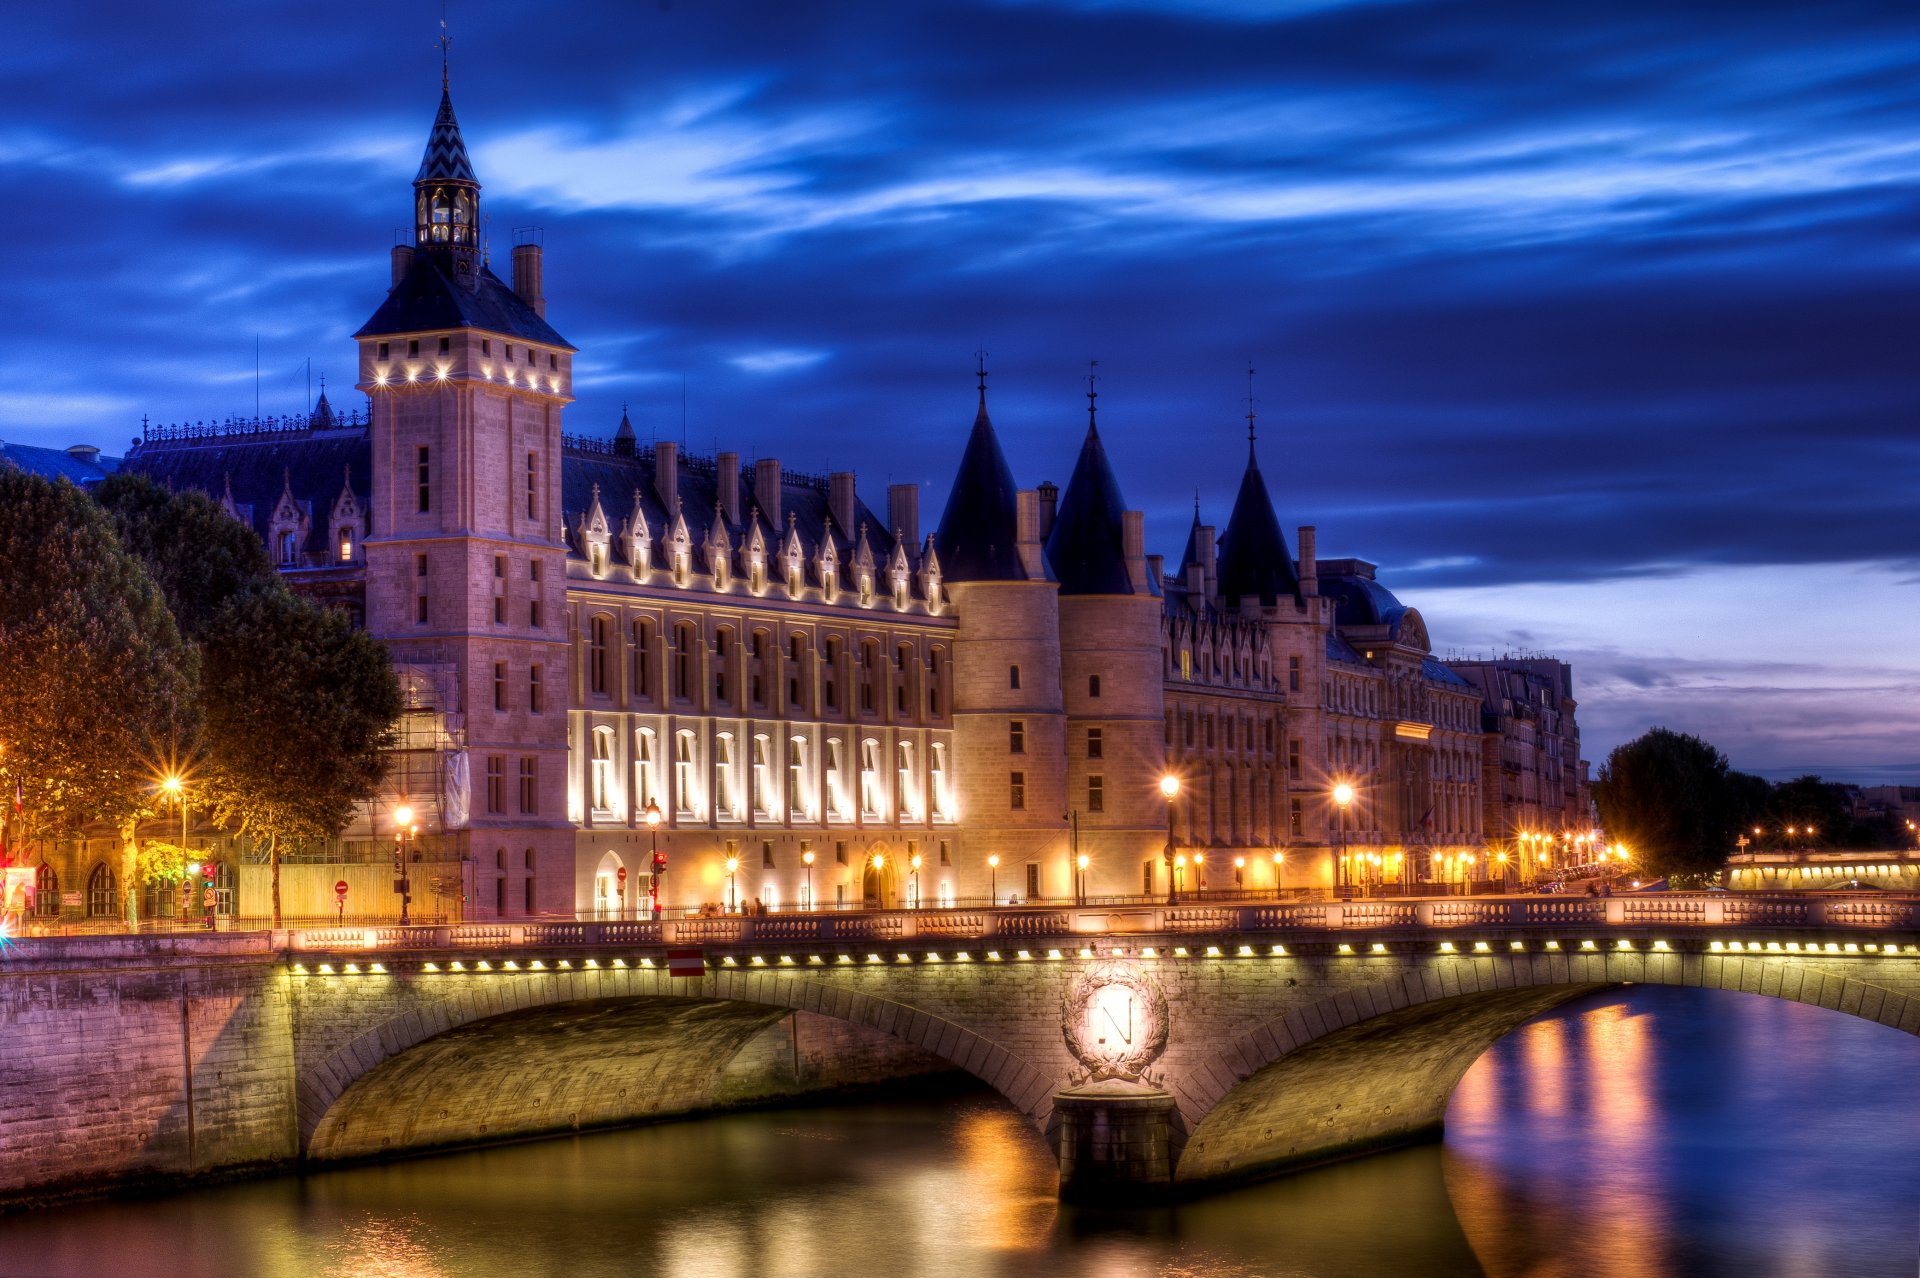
<point x="1249" y="403"/>
<point x="445" y="42"/>
<point x="1093" y="375"/>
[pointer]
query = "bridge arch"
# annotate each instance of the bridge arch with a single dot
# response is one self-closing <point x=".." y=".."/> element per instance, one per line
<point x="400" y="1064"/>
<point x="1374" y="1065"/>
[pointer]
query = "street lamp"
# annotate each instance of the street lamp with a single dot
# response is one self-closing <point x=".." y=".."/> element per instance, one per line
<point x="993" y="878"/>
<point x="733" y="901"/>
<point x="916" y="880"/>
<point x="174" y="786"/>
<point x="878" y="862"/>
<point x="1239" y="873"/>
<point x="1279" y="859"/>
<point x="1179" y="864"/>
<point x="402" y="836"/>
<point x="806" y="859"/>
<point x="1170" y="789"/>
<point x="1200" y="871"/>
<point x="657" y="861"/>
<point x="1080" y="877"/>
<point x="1342" y="797"/>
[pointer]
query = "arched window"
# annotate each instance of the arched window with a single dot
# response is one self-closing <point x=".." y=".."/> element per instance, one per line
<point x="346" y="543"/>
<point x="722" y="657"/>
<point x="869" y="675"/>
<point x="757" y="685"/>
<point x="103" y="901"/>
<point x="643" y="765"/>
<point x="683" y="643"/>
<point x="796" y="652"/>
<point x="766" y="790"/>
<point x="642" y="678"/>
<point x="870" y="798"/>
<point x="942" y="796"/>
<point x="837" y="777"/>
<point x="599" y="632"/>
<point x="904" y="789"/>
<point x="726" y="781"/>
<point x="683" y="773"/>
<point x="289" y="548"/>
<point x="46" y="891"/>
<point x="830" y="676"/>
<point x="604" y="782"/>
<point x="797" y="804"/>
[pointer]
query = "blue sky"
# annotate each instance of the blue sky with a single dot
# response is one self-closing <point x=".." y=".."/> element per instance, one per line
<point x="1594" y="326"/>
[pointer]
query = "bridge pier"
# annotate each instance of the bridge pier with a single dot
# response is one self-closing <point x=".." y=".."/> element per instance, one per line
<point x="1117" y="1142"/>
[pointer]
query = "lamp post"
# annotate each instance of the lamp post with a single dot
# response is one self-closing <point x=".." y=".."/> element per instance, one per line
<point x="1170" y="789"/>
<point x="915" y="863"/>
<point x="1080" y="877"/>
<point x="1342" y="797"/>
<point x="806" y="859"/>
<point x="657" y="861"/>
<point x="993" y="878"/>
<point x="878" y="861"/>
<point x="402" y="836"/>
<point x="733" y="901"/>
<point x="175" y="788"/>
<point x="1239" y="873"/>
<point x="1179" y="867"/>
<point x="1279" y="859"/>
<point x="1200" y="871"/>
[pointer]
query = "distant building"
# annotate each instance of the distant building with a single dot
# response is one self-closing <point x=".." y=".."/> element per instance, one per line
<point x="1535" y="787"/>
<point x="820" y="704"/>
<point x="81" y="463"/>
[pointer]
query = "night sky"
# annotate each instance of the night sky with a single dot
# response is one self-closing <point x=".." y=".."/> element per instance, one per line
<point x="1593" y="325"/>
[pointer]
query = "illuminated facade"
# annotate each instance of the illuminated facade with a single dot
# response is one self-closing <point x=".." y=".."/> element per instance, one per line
<point x="818" y="704"/>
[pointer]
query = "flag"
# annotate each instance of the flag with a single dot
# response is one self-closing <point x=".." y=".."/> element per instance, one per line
<point x="1426" y="821"/>
<point x="686" y="962"/>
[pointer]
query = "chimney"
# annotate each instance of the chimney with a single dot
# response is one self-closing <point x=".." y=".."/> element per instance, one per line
<point x="903" y="512"/>
<point x="1049" y="506"/>
<point x="526" y="277"/>
<point x="666" y="476"/>
<point x="1133" y="544"/>
<point x="840" y="501"/>
<point x="1027" y="534"/>
<point x="766" y="489"/>
<point x="1209" y="562"/>
<point x="402" y="263"/>
<point x="1309" y="568"/>
<point x="727" y="482"/>
<point x="1156" y="571"/>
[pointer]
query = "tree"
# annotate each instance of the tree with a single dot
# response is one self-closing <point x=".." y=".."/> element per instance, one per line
<point x="198" y="554"/>
<point x="1673" y="800"/>
<point x="1818" y="811"/>
<point x="98" y="686"/>
<point x="300" y="707"/>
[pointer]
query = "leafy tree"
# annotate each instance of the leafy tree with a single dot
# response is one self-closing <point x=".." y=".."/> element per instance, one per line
<point x="99" y="687"/>
<point x="1810" y="804"/>
<point x="198" y="554"/>
<point x="299" y="708"/>
<point x="1673" y="800"/>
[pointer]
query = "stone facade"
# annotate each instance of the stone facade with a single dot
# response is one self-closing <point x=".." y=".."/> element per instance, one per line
<point x="824" y="706"/>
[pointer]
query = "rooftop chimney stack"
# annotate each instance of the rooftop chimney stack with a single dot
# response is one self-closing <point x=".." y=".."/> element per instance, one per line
<point x="1027" y="534"/>
<point x="526" y="277"/>
<point x="903" y="511"/>
<point x="1049" y="493"/>
<point x="402" y="263"/>
<point x="666" y="477"/>
<point x="1309" y="567"/>
<point x="1209" y="560"/>
<point x="766" y="489"/>
<point x="841" y="502"/>
<point x="727" y="481"/>
<point x="1133" y="544"/>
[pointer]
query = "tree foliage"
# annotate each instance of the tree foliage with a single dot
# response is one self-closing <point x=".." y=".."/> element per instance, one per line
<point x="99" y="687"/>
<point x="1672" y="799"/>
<point x="198" y="554"/>
<point x="299" y="708"/>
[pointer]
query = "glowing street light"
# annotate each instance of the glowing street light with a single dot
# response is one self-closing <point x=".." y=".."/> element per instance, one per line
<point x="404" y="830"/>
<point x="658" y="861"/>
<point x="993" y="878"/>
<point x="733" y="900"/>
<point x="1279" y="859"/>
<point x="806" y="859"/>
<point x="915" y="863"/>
<point x="1342" y="798"/>
<point x="1170" y="790"/>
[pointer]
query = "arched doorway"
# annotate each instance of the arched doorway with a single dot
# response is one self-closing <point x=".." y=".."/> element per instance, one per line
<point x="880" y="880"/>
<point x="609" y="888"/>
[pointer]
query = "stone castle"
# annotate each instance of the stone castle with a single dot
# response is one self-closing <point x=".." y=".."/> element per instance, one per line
<point x="813" y="701"/>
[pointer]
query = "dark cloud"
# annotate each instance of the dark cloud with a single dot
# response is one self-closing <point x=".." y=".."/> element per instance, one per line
<point x="1537" y="293"/>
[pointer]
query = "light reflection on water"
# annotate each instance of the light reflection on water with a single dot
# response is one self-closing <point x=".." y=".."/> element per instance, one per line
<point x="1651" y="1133"/>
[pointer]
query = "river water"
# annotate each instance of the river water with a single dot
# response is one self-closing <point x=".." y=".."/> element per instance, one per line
<point x="1646" y="1133"/>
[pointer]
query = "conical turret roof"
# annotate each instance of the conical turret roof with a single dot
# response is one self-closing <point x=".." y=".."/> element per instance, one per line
<point x="445" y="159"/>
<point x="1254" y="559"/>
<point x="1087" y="547"/>
<point x="979" y="529"/>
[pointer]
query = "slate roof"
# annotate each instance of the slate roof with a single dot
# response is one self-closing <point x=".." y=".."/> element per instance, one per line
<point x="82" y="464"/>
<point x="1437" y="672"/>
<point x="1359" y="601"/>
<point x="1254" y="559"/>
<point x="979" y="529"/>
<point x="445" y="158"/>
<point x="427" y="298"/>
<point x="1087" y="547"/>
<point x="313" y="465"/>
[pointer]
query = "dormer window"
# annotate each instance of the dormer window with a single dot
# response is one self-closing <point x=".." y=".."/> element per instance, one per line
<point x="289" y="548"/>
<point x="346" y="545"/>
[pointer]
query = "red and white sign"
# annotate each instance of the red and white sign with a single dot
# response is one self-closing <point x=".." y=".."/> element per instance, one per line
<point x="686" y="962"/>
<point x="622" y="875"/>
<point x="340" y="889"/>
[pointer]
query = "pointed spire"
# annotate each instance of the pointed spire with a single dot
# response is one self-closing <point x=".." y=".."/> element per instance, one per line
<point x="1087" y="547"/>
<point x="980" y="369"/>
<point x="1093" y="370"/>
<point x="1254" y="559"/>
<point x="445" y="159"/>
<point x="979" y="529"/>
<point x="1191" y="555"/>
<point x="625" y="442"/>
<point x="1249" y="414"/>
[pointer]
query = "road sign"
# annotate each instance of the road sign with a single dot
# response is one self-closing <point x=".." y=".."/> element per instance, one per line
<point x="340" y="889"/>
<point x="622" y="874"/>
<point x="686" y="962"/>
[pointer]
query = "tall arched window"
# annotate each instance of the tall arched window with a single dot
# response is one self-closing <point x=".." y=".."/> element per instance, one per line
<point x="683" y="644"/>
<point x="683" y="773"/>
<point x="766" y="789"/>
<point x="726" y="779"/>
<point x="103" y="901"/>
<point x="46" y="891"/>
<point x="942" y="796"/>
<point x="599" y="632"/>
<point x="643" y="766"/>
<point x="870" y="798"/>
<point x="797" y="804"/>
<point x="796" y="654"/>
<point x="604" y="781"/>
<point x="869" y="675"/>
<point x="904" y="789"/>
<point x="642" y="677"/>
<point x="722" y="659"/>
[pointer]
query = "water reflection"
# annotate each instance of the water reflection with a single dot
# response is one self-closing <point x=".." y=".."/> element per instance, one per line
<point x="1649" y="1134"/>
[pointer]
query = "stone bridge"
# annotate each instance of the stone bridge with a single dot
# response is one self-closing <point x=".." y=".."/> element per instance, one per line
<point x="1161" y="1049"/>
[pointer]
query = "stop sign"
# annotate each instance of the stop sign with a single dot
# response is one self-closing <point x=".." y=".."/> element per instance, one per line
<point x="622" y="875"/>
<point x="340" y="889"/>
